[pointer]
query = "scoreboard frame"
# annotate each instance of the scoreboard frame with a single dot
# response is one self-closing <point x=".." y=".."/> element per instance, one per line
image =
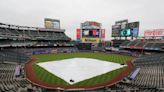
<point x="122" y="27"/>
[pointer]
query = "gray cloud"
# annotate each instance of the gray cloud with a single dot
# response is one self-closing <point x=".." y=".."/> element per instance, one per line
<point x="73" y="12"/>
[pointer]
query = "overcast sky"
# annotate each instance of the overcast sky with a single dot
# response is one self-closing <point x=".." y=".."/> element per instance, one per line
<point x="71" y="13"/>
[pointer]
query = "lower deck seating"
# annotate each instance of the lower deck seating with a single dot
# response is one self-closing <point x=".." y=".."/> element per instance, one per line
<point x="150" y="77"/>
<point x="10" y="83"/>
<point x="13" y="56"/>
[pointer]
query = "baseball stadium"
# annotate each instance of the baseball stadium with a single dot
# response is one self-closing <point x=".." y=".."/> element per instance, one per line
<point x="48" y="59"/>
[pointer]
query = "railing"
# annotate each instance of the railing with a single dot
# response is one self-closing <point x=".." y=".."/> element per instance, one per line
<point x="134" y="74"/>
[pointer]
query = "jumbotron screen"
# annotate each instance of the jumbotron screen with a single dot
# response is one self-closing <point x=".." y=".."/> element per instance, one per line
<point x="125" y="30"/>
<point x="52" y="23"/>
<point x="129" y="32"/>
<point x="91" y="33"/>
<point x="135" y="32"/>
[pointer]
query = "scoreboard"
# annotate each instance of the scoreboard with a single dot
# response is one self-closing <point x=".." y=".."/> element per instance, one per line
<point x="52" y="23"/>
<point x="90" y="32"/>
<point x="125" y="29"/>
<point x="116" y="30"/>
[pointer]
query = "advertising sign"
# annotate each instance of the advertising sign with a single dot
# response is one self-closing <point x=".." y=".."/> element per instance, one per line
<point x="91" y="40"/>
<point x="90" y="25"/>
<point x="133" y="25"/>
<point x="154" y="32"/>
<point x="78" y="35"/>
<point x="103" y="33"/>
<point x="121" y="22"/>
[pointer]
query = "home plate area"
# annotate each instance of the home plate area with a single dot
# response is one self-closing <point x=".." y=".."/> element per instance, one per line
<point x="75" y="70"/>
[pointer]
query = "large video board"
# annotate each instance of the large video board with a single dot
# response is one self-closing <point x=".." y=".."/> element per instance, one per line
<point x="52" y="23"/>
<point x="135" y="32"/>
<point x="94" y="33"/>
<point x="129" y="32"/>
<point x="134" y="27"/>
<point x="125" y="30"/>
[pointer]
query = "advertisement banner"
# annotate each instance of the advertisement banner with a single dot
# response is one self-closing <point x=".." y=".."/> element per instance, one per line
<point x="91" y="40"/>
<point x="121" y="22"/>
<point x="103" y="33"/>
<point x="154" y="32"/>
<point x="90" y="25"/>
<point x="94" y="32"/>
<point x="78" y="35"/>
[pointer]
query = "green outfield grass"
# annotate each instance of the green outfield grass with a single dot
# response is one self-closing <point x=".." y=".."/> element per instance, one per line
<point x="47" y="77"/>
